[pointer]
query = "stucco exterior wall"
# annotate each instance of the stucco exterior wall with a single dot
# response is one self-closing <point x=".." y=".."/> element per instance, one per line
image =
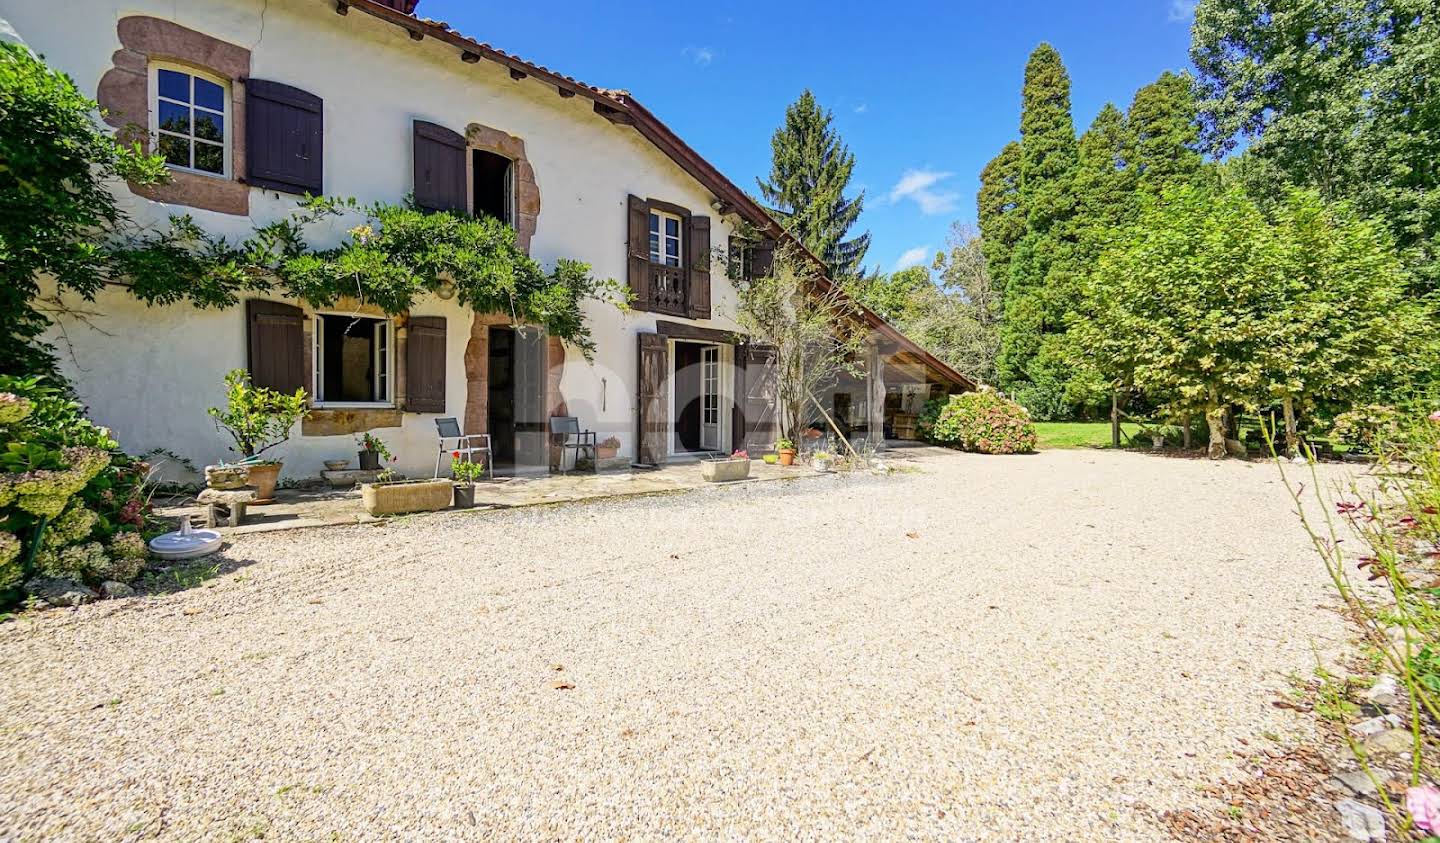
<point x="150" y="372"/>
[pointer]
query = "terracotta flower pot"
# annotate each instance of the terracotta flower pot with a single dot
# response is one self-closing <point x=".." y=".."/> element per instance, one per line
<point x="787" y="456"/>
<point x="264" y="477"/>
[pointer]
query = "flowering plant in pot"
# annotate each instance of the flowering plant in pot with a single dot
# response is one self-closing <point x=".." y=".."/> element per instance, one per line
<point x="257" y="418"/>
<point x="372" y="451"/>
<point x="786" y="449"/>
<point x="466" y="473"/>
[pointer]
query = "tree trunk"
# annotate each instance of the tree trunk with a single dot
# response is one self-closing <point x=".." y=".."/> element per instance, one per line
<point x="1115" y="420"/>
<point x="1215" y="420"/>
<point x="1292" y="436"/>
<point x="1185" y="431"/>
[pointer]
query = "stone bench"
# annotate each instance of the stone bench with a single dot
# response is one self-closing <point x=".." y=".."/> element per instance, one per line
<point x="227" y="503"/>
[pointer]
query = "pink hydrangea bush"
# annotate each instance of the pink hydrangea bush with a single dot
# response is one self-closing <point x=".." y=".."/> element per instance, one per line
<point x="983" y="421"/>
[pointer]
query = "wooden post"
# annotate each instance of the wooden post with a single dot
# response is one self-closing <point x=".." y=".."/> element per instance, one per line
<point x="1115" y="420"/>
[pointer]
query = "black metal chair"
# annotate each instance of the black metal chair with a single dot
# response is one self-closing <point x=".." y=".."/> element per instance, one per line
<point x="467" y="446"/>
<point x="572" y="438"/>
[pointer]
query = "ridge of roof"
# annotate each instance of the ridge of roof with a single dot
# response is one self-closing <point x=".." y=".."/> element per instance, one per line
<point x="621" y="107"/>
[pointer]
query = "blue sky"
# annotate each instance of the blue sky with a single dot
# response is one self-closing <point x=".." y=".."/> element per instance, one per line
<point x="924" y="93"/>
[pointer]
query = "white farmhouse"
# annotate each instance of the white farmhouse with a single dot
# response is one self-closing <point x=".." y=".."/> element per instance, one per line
<point x="256" y="102"/>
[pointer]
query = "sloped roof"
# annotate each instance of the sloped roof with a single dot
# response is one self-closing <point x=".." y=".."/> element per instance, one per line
<point x="621" y="107"/>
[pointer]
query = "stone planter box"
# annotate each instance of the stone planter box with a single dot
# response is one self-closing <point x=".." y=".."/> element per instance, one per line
<point x="724" y="471"/>
<point x="406" y="496"/>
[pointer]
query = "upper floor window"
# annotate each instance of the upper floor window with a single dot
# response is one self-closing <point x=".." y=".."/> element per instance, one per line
<point x="664" y="238"/>
<point x="190" y="111"/>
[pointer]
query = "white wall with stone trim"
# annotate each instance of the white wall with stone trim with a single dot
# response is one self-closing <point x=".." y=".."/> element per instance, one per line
<point x="150" y="373"/>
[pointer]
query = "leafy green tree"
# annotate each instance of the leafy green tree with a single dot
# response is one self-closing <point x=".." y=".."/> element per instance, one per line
<point x="1342" y="327"/>
<point x="959" y="319"/>
<point x="810" y="170"/>
<point x="1184" y="302"/>
<point x="1105" y="200"/>
<point x="1340" y="96"/>
<point x="1001" y="219"/>
<point x="890" y="294"/>
<point x="56" y="211"/>
<point x="1042" y="280"/>
<point x="1164" y="133"/>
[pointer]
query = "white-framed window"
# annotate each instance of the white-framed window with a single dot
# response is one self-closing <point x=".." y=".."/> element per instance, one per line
<point x="190" y="116"/>
<point x="354" y="359"/>
<point x="664" y="238"/>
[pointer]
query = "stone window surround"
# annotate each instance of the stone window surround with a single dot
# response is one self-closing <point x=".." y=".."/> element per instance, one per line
<point x="527" y="192"/>
<point x="124" y="94"/>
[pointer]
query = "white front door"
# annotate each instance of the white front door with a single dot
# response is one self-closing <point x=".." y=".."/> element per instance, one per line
<point x="710" y="398"/>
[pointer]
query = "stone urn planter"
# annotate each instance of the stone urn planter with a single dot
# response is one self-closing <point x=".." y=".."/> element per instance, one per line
<point x="822" y="462"/>
<point x="226" y="477"/>
<point x="264" y="476"/>
<point x="393" y="497"/>
<point x="726" y="470"/>
<point x="336" y="465"/>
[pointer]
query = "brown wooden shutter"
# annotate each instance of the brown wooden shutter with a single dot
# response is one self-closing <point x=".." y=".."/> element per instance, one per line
<point x="697" y="298"/>
<point x="653" y="403"/>
<point x="638" y="246"/>
<point x="439" y="168"/>
<point x="762" y="258"/>
<point x="425" y="365"/>
<point x="275" y="334"/>
<point x="761" y="398"/>
<point x="284" y="138"/>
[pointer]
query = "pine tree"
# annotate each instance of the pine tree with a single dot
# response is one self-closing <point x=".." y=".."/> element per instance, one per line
<point x="1001" y="218"/>
<point x="1163" y="146"/>
<point x="1042" y="281"/>
<point x="809" y="171"/>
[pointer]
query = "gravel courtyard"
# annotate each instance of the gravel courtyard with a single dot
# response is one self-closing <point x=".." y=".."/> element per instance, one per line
<point x="1049" y="647"/>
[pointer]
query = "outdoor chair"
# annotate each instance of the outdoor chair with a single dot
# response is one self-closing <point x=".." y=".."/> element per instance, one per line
<point x="467" y="446"/>
<point x="572" y="438"/>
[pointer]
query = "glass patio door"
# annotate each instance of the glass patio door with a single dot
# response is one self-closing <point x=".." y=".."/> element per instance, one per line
<point x="710" y="398"/>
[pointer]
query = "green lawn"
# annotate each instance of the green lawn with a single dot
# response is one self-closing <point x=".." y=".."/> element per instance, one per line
<point x="1079" y="434"/>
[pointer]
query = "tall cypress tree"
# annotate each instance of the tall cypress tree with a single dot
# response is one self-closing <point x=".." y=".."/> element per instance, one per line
<point x="1105" y="179"/>
<point x="1001" y="218"/>
<point x="1164" y="142"/>
<point x="809" y="171"/>
<point x="1042" y="280"/>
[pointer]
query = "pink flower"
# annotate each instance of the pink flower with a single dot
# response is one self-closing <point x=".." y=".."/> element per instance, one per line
<point x="1435" y="417"/>
<point x="1423" y="803"/>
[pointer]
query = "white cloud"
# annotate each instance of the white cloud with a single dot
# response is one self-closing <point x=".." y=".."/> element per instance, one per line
<point x="861" y="108"/>
<point x="1182" y="11"/>
<point x="702" y="56"/>
<point x="919" y="185"/>
<point x="913" y="257"/>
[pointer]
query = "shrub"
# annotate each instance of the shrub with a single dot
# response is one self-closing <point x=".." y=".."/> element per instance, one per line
<point x="978" y="421"/>
<point x="65" y="490"/>
<point x="1369" y="427"/>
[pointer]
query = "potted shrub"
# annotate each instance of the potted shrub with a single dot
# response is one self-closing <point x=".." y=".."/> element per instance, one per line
<point x="735" y="467"/>
<point x="820" y="460"/>
<point x="609" y="448"/>
<point x="465" y="473"/>
<point x="372" y="452"/>
<point x="258" y="419"/>
<point x="786" y="449"/>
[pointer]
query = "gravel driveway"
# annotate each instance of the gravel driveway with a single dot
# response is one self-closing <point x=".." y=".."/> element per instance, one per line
<point x="1047" y="647"/>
